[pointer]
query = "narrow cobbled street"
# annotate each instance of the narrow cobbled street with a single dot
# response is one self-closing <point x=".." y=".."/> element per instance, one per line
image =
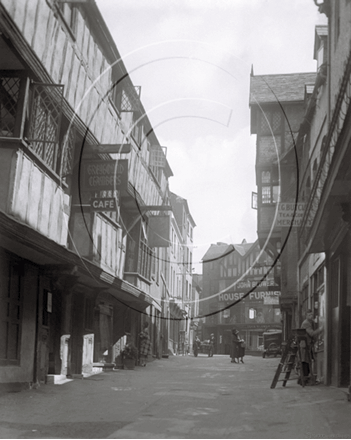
<point x="179" y="397"/>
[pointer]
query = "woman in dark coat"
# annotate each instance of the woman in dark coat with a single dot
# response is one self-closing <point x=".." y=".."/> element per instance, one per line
<point x="235" y="347"/>
<point x="238" y="347"/>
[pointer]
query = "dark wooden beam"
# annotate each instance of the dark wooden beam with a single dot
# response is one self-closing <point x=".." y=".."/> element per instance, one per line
<point x="155" y="208"/>
<point x="107" y="148"/>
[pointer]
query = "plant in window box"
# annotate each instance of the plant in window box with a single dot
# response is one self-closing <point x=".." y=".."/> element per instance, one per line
<point x="129" y="356"/>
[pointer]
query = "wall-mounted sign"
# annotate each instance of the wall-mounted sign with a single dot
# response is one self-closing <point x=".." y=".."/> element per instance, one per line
<point x="271" y="300"/>
<point x="253" y="296"/>
<point x="98" y="175"/>
<point x="103" y="204"/>
<point x="291" y="214"/>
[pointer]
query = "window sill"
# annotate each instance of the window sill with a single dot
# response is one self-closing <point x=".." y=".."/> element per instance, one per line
<point x="138" y="275"/>
<point x="36" y="159"/>
<point x="21" y="143"/>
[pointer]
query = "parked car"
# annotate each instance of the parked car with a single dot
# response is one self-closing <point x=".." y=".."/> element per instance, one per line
<point x="272" y="343"/>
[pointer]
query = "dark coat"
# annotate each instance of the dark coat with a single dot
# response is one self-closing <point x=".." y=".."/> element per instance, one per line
<point x="307" y="348"/>
<point x="236" y="351"/>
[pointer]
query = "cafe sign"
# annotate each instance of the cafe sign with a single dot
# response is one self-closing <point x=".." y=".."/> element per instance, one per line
<point x="98" y="175"/>
<point x="106" y="204"/>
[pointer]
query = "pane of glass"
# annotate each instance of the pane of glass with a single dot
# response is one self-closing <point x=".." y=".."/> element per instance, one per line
<point x="13" y="341"/>
<point x="14" y="283"/>
<point x="4" y="278"/>
<point x="266" y="194"/>
<point x="3" y="339"/>
<point x="276" y="192"/>
<point x="9" y="93"/>
<point x="265" y="126"/>
<point x="276" y="122"/>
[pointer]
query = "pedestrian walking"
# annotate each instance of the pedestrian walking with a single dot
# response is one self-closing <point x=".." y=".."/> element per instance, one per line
<point x="242" y="349"/>
<point x="145" y="344"/>
<point x="235" y="347"/>
<point x="213" y="342"/>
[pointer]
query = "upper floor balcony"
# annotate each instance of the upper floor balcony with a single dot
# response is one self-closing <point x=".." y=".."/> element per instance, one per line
<point x="35" y="160"/>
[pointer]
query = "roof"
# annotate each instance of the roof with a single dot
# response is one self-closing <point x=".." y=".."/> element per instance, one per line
<point x="288" y="87"/>
<point x="178" y="199"/>
<point x="243" y="248"/>
<point x="219" y="250"/>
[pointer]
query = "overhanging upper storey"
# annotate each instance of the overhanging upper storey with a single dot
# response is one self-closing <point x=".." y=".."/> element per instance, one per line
<point x="280" y="89"/>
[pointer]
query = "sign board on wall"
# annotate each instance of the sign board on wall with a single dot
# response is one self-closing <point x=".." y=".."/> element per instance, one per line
<point x="98" y="175"/>
<point x="291" y="214"/>
<point x="271" y="300"/>
<point x="253" y="296"/>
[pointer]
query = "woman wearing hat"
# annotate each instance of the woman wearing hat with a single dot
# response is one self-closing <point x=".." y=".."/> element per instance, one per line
<point x="238" y="347"/>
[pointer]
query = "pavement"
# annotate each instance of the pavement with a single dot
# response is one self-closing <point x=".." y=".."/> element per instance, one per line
<point x="179" y="397"/>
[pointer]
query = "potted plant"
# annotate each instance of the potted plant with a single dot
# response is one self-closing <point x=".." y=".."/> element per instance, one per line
<point x="129" y="356"/>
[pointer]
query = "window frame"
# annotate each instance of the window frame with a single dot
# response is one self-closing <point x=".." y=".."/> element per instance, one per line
<point x="266" y="122"/>
<point x="272" y="196"/>
<point x="68" y="15"/>
<point x="12" y="262"/>
<point x="22" y="128"/>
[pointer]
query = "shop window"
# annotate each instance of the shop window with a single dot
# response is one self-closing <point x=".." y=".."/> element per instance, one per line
<point x="47" y="307"/>
<point x="277" y="315"/>
<point x="10" y="310"/>
<point x="335" y="282"/>
<point x="304" y="301"/>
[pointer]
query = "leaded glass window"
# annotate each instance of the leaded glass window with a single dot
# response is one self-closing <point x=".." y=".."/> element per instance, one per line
<point x="270" y="122"/>
<point x="9" y="96"/>
<point x="45" y="122"/>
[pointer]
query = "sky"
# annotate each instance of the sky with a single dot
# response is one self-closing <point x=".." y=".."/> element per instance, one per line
<point x="193" y="59"/>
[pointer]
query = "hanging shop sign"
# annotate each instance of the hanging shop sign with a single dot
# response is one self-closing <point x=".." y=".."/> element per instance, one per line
<point x="107" y="204"/>
<point x="99" y="175"/>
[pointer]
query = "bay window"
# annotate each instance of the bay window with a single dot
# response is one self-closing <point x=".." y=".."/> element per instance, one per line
<point x="270" y="189"/>
<point x="32" y="113"/>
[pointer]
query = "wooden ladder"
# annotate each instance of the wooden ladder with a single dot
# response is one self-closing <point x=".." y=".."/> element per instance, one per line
<point x="290" y="362"/>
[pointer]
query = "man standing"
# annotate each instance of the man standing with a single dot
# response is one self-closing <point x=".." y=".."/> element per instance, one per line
<point x="306" y="348"/>
<point x="213" y="342"/>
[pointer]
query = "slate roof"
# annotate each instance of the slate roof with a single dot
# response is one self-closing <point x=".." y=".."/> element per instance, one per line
<point x="220" y="249"/>
<point x="243" y="248"/>
<point x="289" y="87"/>
<point x="216" y="251"/>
